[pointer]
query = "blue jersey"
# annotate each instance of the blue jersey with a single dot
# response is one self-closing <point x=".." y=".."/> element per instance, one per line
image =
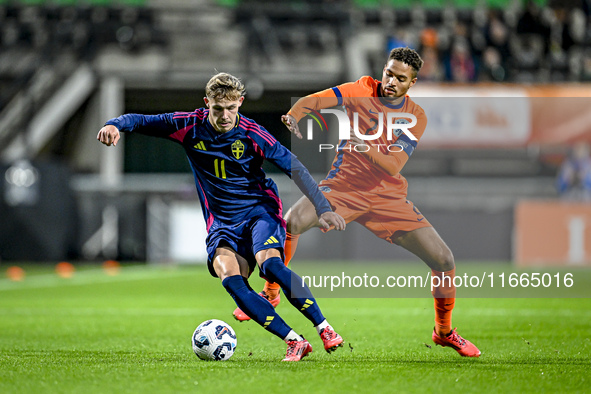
<point x="227" y="166"/>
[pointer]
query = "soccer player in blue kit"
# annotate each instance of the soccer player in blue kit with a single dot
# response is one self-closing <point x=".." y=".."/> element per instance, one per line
<point x="242" y="209"/>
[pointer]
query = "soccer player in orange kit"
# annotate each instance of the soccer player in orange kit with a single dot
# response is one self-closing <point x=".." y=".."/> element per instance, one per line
<point x="365" y="184"/>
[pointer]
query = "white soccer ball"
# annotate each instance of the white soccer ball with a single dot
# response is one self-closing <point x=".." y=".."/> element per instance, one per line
<point x="214" y="340"/>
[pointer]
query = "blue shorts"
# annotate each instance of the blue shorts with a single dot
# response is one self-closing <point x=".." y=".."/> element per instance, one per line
<point x="247" y="238"/>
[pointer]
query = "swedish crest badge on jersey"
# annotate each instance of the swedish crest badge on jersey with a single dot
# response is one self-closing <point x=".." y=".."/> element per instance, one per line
<point x="237" y="149"/>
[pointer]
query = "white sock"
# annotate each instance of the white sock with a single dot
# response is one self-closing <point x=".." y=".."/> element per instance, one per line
<point x="293" y="336"/>
<point x="322" y="326"/>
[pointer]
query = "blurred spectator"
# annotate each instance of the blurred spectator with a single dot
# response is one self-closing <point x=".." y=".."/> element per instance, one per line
<point x="401" y="38"/>
<point x="497" y="35"/>
<point x="429" y="38"/>
<point x="459" y="62"/>
<point x="460" y="66"/>
<point x="492" y="66"/>
<point x="494" y="60"/>
<point x="432" y="68"/>
<point x="574" y="177"/>
<point x="563" y="38"/>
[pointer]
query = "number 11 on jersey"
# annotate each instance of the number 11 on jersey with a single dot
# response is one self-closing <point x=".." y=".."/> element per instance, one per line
<point x="221" y="169"/>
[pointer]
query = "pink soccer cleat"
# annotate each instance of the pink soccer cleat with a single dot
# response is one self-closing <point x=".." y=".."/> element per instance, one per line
<point x="331" y="339"/>
<point x="296" y="350"/>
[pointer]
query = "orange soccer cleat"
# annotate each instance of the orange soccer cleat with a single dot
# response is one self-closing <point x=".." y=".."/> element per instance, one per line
<point x="463" y="346"/>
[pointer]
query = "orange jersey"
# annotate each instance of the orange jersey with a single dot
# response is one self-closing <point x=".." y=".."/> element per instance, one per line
<point x="377" y="169"/>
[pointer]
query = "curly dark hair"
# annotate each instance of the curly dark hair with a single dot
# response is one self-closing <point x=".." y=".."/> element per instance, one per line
<point x="408" y="56"/>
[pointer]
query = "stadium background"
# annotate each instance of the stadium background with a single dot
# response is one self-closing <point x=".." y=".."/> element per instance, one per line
<point x="67" y="66"/>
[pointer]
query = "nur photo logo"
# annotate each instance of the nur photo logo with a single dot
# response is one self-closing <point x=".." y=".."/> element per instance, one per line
<point x="392" y="125"/>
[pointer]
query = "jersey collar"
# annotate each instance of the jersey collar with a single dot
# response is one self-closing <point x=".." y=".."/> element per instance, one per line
<point x="385" y="102"/>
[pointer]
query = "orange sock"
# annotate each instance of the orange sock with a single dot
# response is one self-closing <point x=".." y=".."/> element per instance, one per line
<point x="445" y="298"/>
<point x="291" y="243"/>
<point x="271" y="290"/>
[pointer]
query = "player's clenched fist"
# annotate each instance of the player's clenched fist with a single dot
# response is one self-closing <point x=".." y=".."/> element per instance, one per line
<point x="108" y="135"/>
<point x="290" y="122"/>
<point x="332" y="218"/>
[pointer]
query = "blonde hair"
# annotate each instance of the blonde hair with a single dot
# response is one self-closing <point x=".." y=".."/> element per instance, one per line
<point x="224" y="86"/>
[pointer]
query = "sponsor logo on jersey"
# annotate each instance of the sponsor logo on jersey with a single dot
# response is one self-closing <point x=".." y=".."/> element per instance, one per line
<point x="271" y="240"/>
<point x="324" y="189"/>
<point x="200" y="146"/>
<point x="237" y="149"/>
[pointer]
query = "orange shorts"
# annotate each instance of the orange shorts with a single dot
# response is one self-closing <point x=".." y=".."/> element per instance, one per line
<point x="381" y="215"/>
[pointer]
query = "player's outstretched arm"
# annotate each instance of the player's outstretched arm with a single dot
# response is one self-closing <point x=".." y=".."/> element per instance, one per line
<point x="109" y="135"/>
<point x="391" y="163"/>
<point x="315" y="101"/>
<point x="332" y="218"/>
<point x="292" y="125"/>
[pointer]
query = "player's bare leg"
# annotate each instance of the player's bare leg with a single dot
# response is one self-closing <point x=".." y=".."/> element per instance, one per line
<point x="426" y="244"/>
<point x="301" y="217"/>
<point x="228" y="263"/>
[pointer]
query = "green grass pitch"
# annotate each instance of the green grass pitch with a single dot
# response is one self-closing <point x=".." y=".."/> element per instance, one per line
<point x="130" y="333"/>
